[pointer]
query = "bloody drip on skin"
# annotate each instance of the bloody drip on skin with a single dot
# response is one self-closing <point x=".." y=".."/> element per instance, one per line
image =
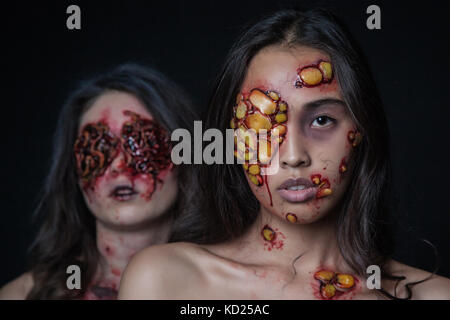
<point x="268" y="190"/>
<point x="258" y="110"/>
<point x="144" y="143"/>
<point x="343" y="167"/>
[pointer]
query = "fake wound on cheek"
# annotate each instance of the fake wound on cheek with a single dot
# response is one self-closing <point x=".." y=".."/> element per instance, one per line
<point x="323" y="183"/>
<point x="256" y="111"/>
<point x="144" y="143"/>
<point x="323" y="186"/>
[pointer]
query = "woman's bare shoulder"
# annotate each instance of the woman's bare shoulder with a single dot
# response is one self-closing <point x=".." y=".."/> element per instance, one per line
<point x="435" y="287"/>
<point x="167" y="271"/>
<point x="18" y="288"/>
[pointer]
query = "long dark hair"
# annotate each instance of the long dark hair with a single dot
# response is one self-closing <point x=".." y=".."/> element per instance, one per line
<point x="67" y="232"/>
<point x="224" y="212"/>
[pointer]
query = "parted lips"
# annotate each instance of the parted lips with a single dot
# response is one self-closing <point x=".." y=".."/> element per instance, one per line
<point x="314" y="75"/>
<point x="259" y="110"/>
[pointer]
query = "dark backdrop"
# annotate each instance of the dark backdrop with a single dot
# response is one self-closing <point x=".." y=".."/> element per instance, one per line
<point x="188" y="40"/>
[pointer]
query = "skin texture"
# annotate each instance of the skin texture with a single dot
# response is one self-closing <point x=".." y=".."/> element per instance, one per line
<point x="245" y="268"/>
<point x="123" y="227"/>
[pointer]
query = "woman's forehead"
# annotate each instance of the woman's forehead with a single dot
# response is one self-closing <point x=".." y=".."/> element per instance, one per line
<point x="280" y="64"/>
<point x="276" y="68"/>
<point x="109" y="108"/>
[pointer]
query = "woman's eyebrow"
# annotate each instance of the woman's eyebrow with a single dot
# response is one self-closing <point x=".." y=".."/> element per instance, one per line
<point x="318" y="103"/>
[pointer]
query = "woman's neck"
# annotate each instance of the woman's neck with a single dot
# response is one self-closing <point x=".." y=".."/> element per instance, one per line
<point x="118" y="245"/>
<point x="277" y="242"/>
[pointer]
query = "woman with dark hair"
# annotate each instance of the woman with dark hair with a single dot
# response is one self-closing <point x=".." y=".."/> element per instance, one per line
<point x="313" y="227"/>
<point x="112" y="189"/>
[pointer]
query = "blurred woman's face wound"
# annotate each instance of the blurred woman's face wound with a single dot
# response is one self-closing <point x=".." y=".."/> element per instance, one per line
<point x="123" y="161"/>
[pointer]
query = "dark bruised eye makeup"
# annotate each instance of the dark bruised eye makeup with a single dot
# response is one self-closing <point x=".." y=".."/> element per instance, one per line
<point x="146" y="146"/>
<point x="95" y="148"/>
<point x="323" y="121"/>
<point x="322" y="116"/>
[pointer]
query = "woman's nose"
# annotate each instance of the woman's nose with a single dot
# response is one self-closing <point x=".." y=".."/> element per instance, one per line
<point x="118" y="164"/>
<point x="294" y="152"/>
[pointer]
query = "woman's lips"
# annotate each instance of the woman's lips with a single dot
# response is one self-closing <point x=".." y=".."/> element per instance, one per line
<point x="299" y="195"/>
<point x="297" y="190"/>
<point x="123" y="193"/>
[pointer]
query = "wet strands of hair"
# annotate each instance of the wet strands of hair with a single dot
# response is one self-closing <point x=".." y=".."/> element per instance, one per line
<point x="145" y="144"/>
<point x="259" y="110"/>
<point x="324" y="188"/>
<point x="273" y="239"/>
<point x="314" y="75"/>
<point x="332" y="285"/>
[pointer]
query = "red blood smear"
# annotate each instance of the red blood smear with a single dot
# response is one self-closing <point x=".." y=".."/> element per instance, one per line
<point x="268" y="190"/>
<point x="116" y="272"/>
<point x="109" y="251"/>
<point x="299" y="82"/>
<point x="343" y="163"/>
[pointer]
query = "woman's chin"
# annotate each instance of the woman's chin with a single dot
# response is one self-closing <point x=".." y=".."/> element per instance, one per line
<point x="127" y="217"/>
<point x="304" y="213"/>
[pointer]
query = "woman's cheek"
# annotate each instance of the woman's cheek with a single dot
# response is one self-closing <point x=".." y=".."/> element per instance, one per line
<point x="334" y="174"/>
<point x="94" y="194"/>
<point x="153" y="184"/>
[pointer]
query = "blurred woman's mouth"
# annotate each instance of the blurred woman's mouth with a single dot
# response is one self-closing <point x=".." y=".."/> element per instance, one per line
<point x="123" y="193"/>
<point x="297" y="190"/>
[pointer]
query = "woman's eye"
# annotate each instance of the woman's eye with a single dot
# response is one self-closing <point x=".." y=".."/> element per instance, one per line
<point x="322" y="121"/>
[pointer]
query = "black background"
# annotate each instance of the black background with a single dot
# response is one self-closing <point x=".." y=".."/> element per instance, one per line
<point x="188" y="40"/>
